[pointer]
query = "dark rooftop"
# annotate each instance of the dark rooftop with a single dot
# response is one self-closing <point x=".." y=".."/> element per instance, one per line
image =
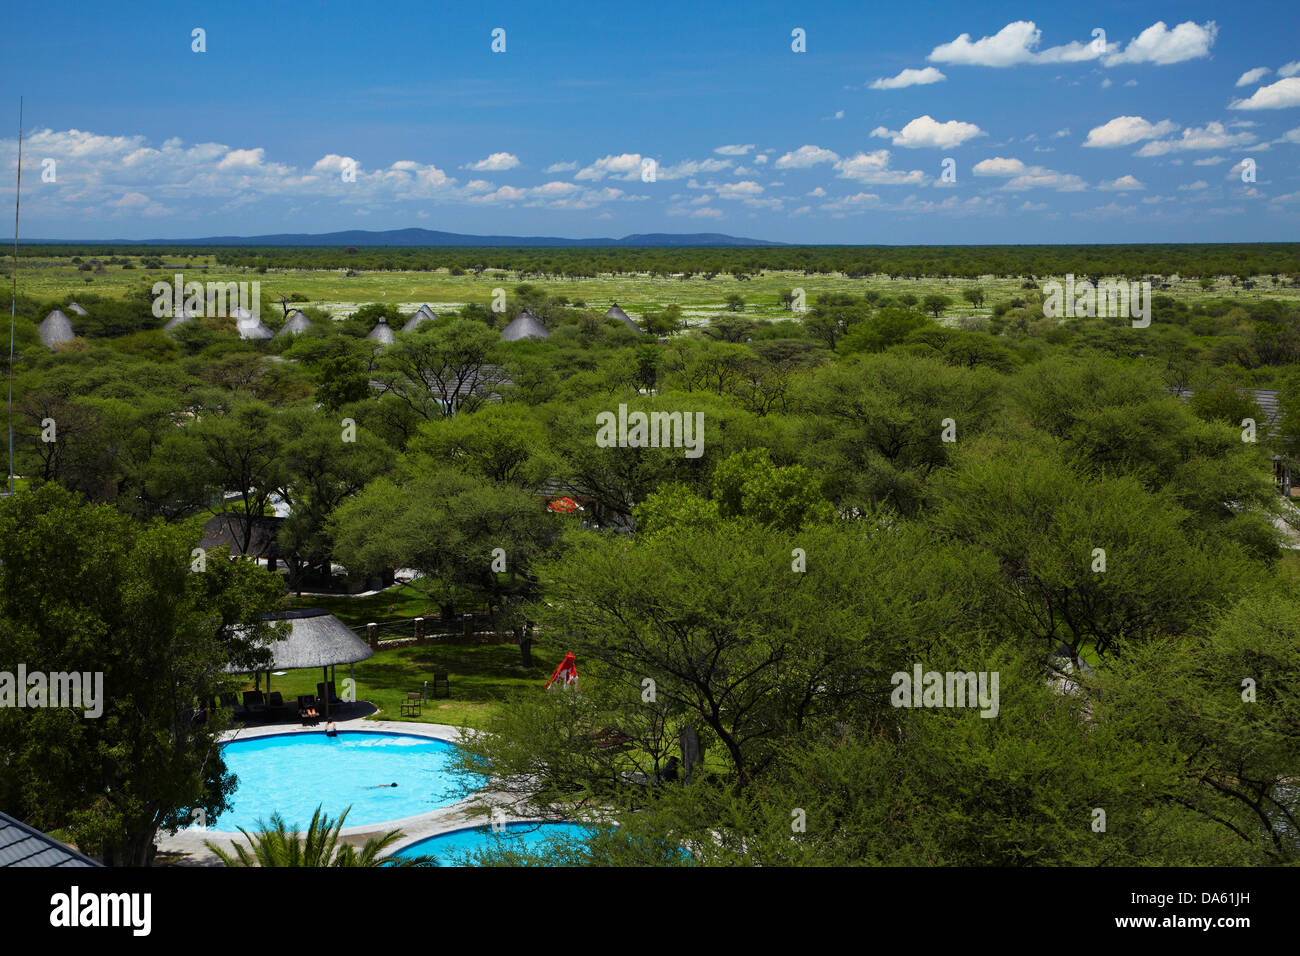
<point x="21" y="845"/>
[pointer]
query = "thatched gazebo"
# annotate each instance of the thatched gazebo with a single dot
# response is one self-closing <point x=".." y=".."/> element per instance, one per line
<point x="74" y="307"/>
<point x="316" y="639"/>
<point x="55" y="329"/>
<point x="525" y="325"/>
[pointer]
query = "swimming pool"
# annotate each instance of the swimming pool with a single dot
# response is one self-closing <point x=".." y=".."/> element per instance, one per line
<point x="292" y="773"/>
<point x="450" y="849"/>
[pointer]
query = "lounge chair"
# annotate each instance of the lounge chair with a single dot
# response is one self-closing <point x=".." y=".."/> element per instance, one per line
<point x="411" y="706"/>
<point x="231" y="703"/>
<point x="322" y="689"/>
<point x="275" y="702"/>
<point x="307" y="709"/>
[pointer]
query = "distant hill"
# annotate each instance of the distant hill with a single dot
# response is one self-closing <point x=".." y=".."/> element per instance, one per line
<point x="432" y="237"/>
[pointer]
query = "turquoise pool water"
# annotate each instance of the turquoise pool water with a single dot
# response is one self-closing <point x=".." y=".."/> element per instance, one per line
<point x="450" y="848"/>
<point x="292" y="773"/>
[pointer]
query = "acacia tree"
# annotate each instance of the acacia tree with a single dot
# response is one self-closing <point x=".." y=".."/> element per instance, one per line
<point x="448" y="525"/>
<point x="440" y="370"/>
<point x="1088" y="564"/>
<point x="735" y="642"/>
<point x="84" y="588"/>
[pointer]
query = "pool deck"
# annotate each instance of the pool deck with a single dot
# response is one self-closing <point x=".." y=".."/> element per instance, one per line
<point x="187" y="846"/>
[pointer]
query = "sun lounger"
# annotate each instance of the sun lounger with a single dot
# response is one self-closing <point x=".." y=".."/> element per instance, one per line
<point x="307" y="709"/>
<point x="254" y="703"/>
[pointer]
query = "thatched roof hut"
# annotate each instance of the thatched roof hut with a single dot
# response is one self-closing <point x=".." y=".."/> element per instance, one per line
<point x="616" y="313"/>
<point x="74" y="307"/>
<point x="296" y="324"/>
<point x="255" y="330"/>
<point x="55" y="329"/>
<point x="229" y="531"/>
<point x="525" y="325"/>
<point x="381" y="333"/>
<point x="178" y="319"/>
<point x="422" y="314"/>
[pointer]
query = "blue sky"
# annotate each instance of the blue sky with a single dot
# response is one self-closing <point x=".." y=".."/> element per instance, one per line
<point x="327" y="116"/>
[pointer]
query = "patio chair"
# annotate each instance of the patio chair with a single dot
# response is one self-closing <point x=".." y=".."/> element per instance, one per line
<point x="307" y="709"/>
<point x="275" y="702"/>
<point x="254" y="703"/>
<point x="411" y="706"/>
<point x="440" y="679"/>
<point x="322" y="688"/>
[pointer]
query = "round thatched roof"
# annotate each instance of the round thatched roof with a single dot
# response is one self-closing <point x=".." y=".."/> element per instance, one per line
<point x="525" y="326"/>
<point x="616" y="313"/>
<point x="255" y="330"/>
<point x="55" y="329"/>
<point x="422" y="314"/>
<point x="381" y="333"/>
<point x="74" y="307"/>
<point x="179" y="318"/>
<point x="296" y="323"/>
<point x="316" y="639"/>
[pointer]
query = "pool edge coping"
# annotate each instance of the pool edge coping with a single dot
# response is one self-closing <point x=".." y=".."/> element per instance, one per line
<point x="456" y="816"/>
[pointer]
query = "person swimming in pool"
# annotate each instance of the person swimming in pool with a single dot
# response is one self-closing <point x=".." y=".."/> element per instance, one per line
<point x="380" y="786"/>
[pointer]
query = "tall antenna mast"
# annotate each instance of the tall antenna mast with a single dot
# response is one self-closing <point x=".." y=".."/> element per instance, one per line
<point x="13" y="299"/>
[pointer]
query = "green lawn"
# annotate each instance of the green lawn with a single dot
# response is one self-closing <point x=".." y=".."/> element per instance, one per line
<point x="399" y="601"/>
<point x="700" y="298"/>
<point x="481" y="676"/>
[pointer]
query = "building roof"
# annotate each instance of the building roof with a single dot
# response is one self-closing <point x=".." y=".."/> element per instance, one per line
<point x="525" y="325"/>
<point x="74" y="307"/>
<point x="316" y="639"/>
<point x="616" y="313"/>
<point x="227" y="531"/>
<point x="250" y="328"/>
<point x="422" y="314"/>
<point x="295" y="324"/>
<point x="55" y="329"/>
<point x="1265" y="398"/>
<point x="180" y="317"/>
<point x="21" y="845"/>
<point x="381" y="333"/>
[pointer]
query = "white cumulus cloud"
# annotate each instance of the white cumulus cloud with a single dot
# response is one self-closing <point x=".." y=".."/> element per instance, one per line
<point x="909" y="78"/>
<point x="1122" y="184"/>
<point x="1126" y="130"/>
<point x="806" y="156"/>
<point x="1276" y="96"/>
<point x="1210" y="136"/>
<point x="925" y="131"/>
<point x="1159" y="45"/>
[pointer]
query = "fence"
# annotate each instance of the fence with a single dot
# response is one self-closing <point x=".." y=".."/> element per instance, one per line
<point x="420" y="631"/>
